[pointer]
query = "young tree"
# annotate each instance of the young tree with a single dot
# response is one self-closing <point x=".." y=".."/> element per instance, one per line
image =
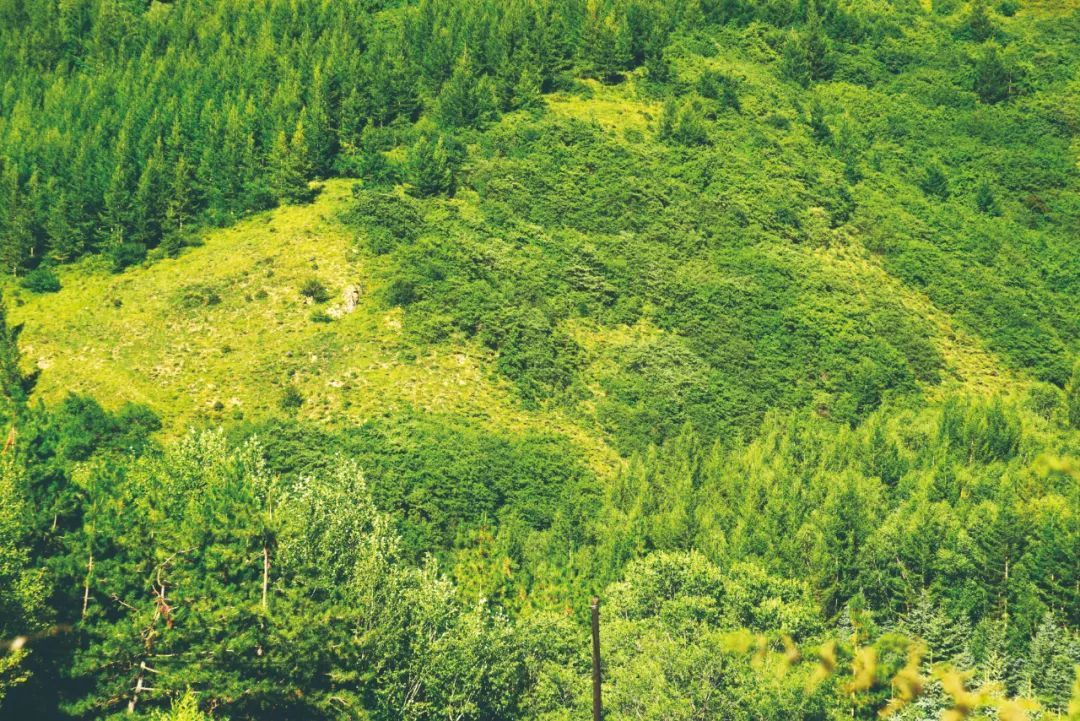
<point x="1050" y="667"/>
<point x="608" y="40"/>
<point x="465" y="100"/>
<point x="994" y="80"/>
<point x="985" y="200"/>
<point x="288" y="182"/>
<point x="935" y="183"/>
<point x="431" y="169"/>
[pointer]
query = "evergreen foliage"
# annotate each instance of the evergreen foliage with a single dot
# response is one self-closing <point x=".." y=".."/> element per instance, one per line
<point x="771" y="311"/>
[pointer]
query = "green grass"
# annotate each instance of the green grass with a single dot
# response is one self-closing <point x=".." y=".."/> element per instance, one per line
<point x="149" y="335"/>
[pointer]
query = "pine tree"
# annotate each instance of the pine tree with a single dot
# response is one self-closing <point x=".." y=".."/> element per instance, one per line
<point x="431" y="171"/>
<point x="12" y="381"/>
<point x="609" y="42"/>
<point x="288" y="183"/>
<point x="181" y="203"/>
<point x="319" y="134"/>
<point x="935" y="183"/>
<point x="1048" y="670"/>
<point x="995" y="81"/>
<point x="63" y="239"/>
<point x="526" y="91"/>
<point x="465" y="100"/>
<point x="985" y="200"/>
<point x="928" y="622"/>
<point x="116" y="211"/>
<point x="16" y="237"/>
<point x="149" y="202"/>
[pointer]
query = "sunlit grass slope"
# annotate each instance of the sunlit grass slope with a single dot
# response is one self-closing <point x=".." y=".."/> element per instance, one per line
<point x="218" y="334"/>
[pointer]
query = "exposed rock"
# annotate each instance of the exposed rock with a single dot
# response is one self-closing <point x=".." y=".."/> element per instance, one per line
<point x="350" y="299"/>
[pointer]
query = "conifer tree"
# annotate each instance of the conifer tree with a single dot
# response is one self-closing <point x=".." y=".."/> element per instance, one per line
<point x="985" y="200"/>
<point x="465" y="100"/>
<point x="995" y="81"/>
<point x="608" y="40"/>
<point x="16" y="237"/>
<point x="935" y="183"/>
<point x="116" y="211"/>
<point x="927" y="621"/>
<point x="149" y="200"/>
<point x="63" y="239"/>
<point x="288" y="183"/>
<point x="12" y="383"/>
<point x="431" y="171"/>
<point x="1050" y="666"/>
<point x="318" y="129"/>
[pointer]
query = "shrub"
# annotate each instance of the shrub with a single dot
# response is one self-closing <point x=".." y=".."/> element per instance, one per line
<point x="197" y="296"/>
<point x="126" y="255"/>
<point x="291" y="398"/>
<point x="41" y="280"/>
<point x="313" y="288"/>
<point x="717" y="86"/>
<point x="935" y="183"/>
<point x="390" y="219"/>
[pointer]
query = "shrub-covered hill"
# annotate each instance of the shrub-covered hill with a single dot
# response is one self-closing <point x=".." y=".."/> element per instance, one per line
<point x="351" y="346"/>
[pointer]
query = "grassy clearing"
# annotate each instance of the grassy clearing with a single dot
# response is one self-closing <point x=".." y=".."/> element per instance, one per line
<point x="218" y="333"/>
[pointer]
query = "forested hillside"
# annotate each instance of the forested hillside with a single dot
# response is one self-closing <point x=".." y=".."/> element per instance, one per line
<point x="349" y="347"/>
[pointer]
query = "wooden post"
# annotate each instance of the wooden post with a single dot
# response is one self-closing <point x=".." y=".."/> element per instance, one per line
<point x="597" y="706"/>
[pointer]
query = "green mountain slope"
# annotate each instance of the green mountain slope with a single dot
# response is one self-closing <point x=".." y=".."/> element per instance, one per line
<point x="349" y="348"/>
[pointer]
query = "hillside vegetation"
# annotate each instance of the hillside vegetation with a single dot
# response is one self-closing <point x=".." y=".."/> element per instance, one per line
<point x="350" y="347"/>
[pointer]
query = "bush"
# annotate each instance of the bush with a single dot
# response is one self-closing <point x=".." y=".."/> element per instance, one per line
<point x="291" y="398"/>
<point x="197" y="296"/>
<point x="320" y="316"/>
<point x="41" y="280"/>
<point x="313" y="288"/>
<point x="126" y="255"/>
<point x="390" y="219"/>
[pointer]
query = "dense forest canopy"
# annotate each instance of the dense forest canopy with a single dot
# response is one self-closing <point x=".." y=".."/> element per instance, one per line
<point x="350" y="346"/>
